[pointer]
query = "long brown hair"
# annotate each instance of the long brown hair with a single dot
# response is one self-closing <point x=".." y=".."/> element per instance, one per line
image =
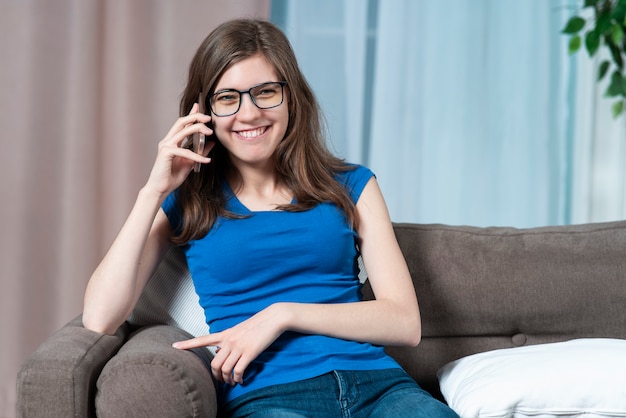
<point x="302" y="160"/>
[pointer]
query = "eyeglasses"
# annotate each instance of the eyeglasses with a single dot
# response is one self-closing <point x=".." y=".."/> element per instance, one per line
<point x="264" y="96"/>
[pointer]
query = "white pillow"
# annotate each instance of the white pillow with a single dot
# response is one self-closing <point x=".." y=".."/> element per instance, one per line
<point x="577" y="378"/>
<point x="170" y="298"/>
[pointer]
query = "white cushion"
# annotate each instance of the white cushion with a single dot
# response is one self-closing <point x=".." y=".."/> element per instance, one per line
<point x="170" y="298"/>
<point x="577" y="378"/>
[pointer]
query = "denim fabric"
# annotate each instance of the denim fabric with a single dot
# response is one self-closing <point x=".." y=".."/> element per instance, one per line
<point x="342" y="394"/>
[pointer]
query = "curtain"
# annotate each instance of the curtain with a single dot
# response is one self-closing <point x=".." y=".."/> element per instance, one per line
<point x="598" y="175"/>
<point x="469" y="112"/>
<point x="88" y="88"/>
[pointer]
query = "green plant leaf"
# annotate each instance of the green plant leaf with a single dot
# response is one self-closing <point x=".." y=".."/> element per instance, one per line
<point x="604" y="68"/>
<point x="574" y="25"/>
<point x="619" y="13"/>
<point x="592" y="42"/>
<point x="603" y="22"/>
<point x="617" y="34"/>
<point x="617" y="85"/>
<point x="574" y="44"/>
<point x="616" y="52"/>
<point x="618" y="108"/>
<point x="606" y="29"/>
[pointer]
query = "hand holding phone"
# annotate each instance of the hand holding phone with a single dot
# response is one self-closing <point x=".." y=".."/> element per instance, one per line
<point x="199" y="138"/>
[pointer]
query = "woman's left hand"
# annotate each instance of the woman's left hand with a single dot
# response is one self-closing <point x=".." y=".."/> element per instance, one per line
<point x="240" y="345"/>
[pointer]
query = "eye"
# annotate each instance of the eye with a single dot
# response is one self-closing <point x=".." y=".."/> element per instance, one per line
<point x="226" y="97"/>
<point x="266" y="90"/>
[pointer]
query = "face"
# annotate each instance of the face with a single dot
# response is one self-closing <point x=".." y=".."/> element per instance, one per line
<point x="251" y="135"/>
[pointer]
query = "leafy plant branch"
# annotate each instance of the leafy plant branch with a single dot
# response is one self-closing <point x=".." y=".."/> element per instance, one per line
<point x="606" y="29"/>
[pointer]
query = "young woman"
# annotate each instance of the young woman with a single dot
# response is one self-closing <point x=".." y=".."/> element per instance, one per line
<point x="272" y="225"/>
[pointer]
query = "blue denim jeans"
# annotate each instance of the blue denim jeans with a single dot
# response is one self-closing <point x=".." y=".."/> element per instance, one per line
<point x="342" y="394"/>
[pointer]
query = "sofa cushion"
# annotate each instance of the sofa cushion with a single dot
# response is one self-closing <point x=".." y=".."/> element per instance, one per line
<point x="481" y="289"/>
<point x="170" y="298"/>
<point x="578" y="378"/>
<point x="149" y="378"/>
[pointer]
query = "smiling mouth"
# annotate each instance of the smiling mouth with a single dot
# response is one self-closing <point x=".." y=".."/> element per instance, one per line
<point x="252" y="133"/>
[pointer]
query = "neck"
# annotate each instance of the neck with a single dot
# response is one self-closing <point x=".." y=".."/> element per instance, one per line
<point x="260" y="189"/>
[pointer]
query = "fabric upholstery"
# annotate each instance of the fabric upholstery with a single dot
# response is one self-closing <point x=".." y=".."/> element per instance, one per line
<point x="59" y="379"/>
<point x="481" y="289"/>
<point x="149" y="378"/>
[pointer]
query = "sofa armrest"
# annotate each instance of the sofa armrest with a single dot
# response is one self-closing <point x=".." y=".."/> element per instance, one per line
<point x="59" y="378"/>
<point x="152" y="379"/>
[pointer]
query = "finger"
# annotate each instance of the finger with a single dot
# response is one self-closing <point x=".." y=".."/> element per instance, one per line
<point x="191" y="156"/>
<point x="228" y="367"/>
<point x="203" y="341"/>
<point x="195" y="126"/>
<point x="184" y="121"/>
<point x="181" y="137"/>
<point x="217" y="363"/>
<point x="223" y="369"/>
<point x="180" y="122"/>
<point x="185" y="154"/>
<point x="240" y="368"/>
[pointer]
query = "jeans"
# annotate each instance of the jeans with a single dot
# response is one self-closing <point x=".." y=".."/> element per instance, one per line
<point x="342" y="394"/>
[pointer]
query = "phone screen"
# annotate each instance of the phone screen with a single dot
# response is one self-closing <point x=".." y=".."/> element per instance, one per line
<point x="199" y="138"/>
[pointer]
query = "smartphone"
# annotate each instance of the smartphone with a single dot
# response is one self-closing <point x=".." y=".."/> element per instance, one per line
<point x="199" y="138"/>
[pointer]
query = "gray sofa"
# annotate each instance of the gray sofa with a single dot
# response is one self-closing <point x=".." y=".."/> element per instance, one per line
<point x="479" y="289"/>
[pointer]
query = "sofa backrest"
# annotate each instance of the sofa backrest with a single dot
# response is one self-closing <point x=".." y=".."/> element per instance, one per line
<point x="482" y="289"/>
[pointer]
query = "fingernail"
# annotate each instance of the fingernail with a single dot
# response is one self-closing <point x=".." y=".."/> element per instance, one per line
<point x="176" y="345"/>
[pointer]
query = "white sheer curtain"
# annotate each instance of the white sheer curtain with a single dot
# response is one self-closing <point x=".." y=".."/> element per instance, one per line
<point x="598" y="180"/>
<point x="469" y="112"/>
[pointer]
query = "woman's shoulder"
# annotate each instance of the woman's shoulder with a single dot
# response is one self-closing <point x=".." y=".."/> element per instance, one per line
<point x="354" y="177"/>
<point x="350" y="172"/>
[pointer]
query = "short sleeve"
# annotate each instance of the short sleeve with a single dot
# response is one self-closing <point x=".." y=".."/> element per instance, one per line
<point x="171" y="209"/>
<point x="355" y="180"/>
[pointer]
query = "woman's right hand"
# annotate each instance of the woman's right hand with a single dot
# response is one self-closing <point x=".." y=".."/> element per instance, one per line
<point x="175" y="162"/>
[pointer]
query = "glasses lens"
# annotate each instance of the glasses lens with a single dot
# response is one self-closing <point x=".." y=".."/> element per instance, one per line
<point x="225" y="102"/>
<point x="267" y="95"/>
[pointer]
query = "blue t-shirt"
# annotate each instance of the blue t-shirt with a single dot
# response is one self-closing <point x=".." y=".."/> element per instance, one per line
<point x="244" y="265"/>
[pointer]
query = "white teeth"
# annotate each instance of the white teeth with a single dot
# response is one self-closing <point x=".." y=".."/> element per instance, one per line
<point x="253" y="133"/>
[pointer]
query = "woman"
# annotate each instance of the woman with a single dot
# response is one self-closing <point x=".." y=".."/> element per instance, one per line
<point x="272" y="225"/>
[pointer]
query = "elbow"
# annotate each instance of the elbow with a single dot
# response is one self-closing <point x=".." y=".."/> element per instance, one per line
<point x="414" y="339"/>
<point x="103" y="317"/>
<point x="99" y="326"/>
<point x="414" y="335"/>
<point x="409" y="334"/>
<point x="409" y="331"/>
<point x="412" y="330"/>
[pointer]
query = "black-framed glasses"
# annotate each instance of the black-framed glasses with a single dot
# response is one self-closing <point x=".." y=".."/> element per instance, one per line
<point x="264" y="96"/>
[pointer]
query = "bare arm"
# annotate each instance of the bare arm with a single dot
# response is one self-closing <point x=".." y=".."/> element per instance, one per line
<point x="117" y="283"/>
<point x="392" y="319"/>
